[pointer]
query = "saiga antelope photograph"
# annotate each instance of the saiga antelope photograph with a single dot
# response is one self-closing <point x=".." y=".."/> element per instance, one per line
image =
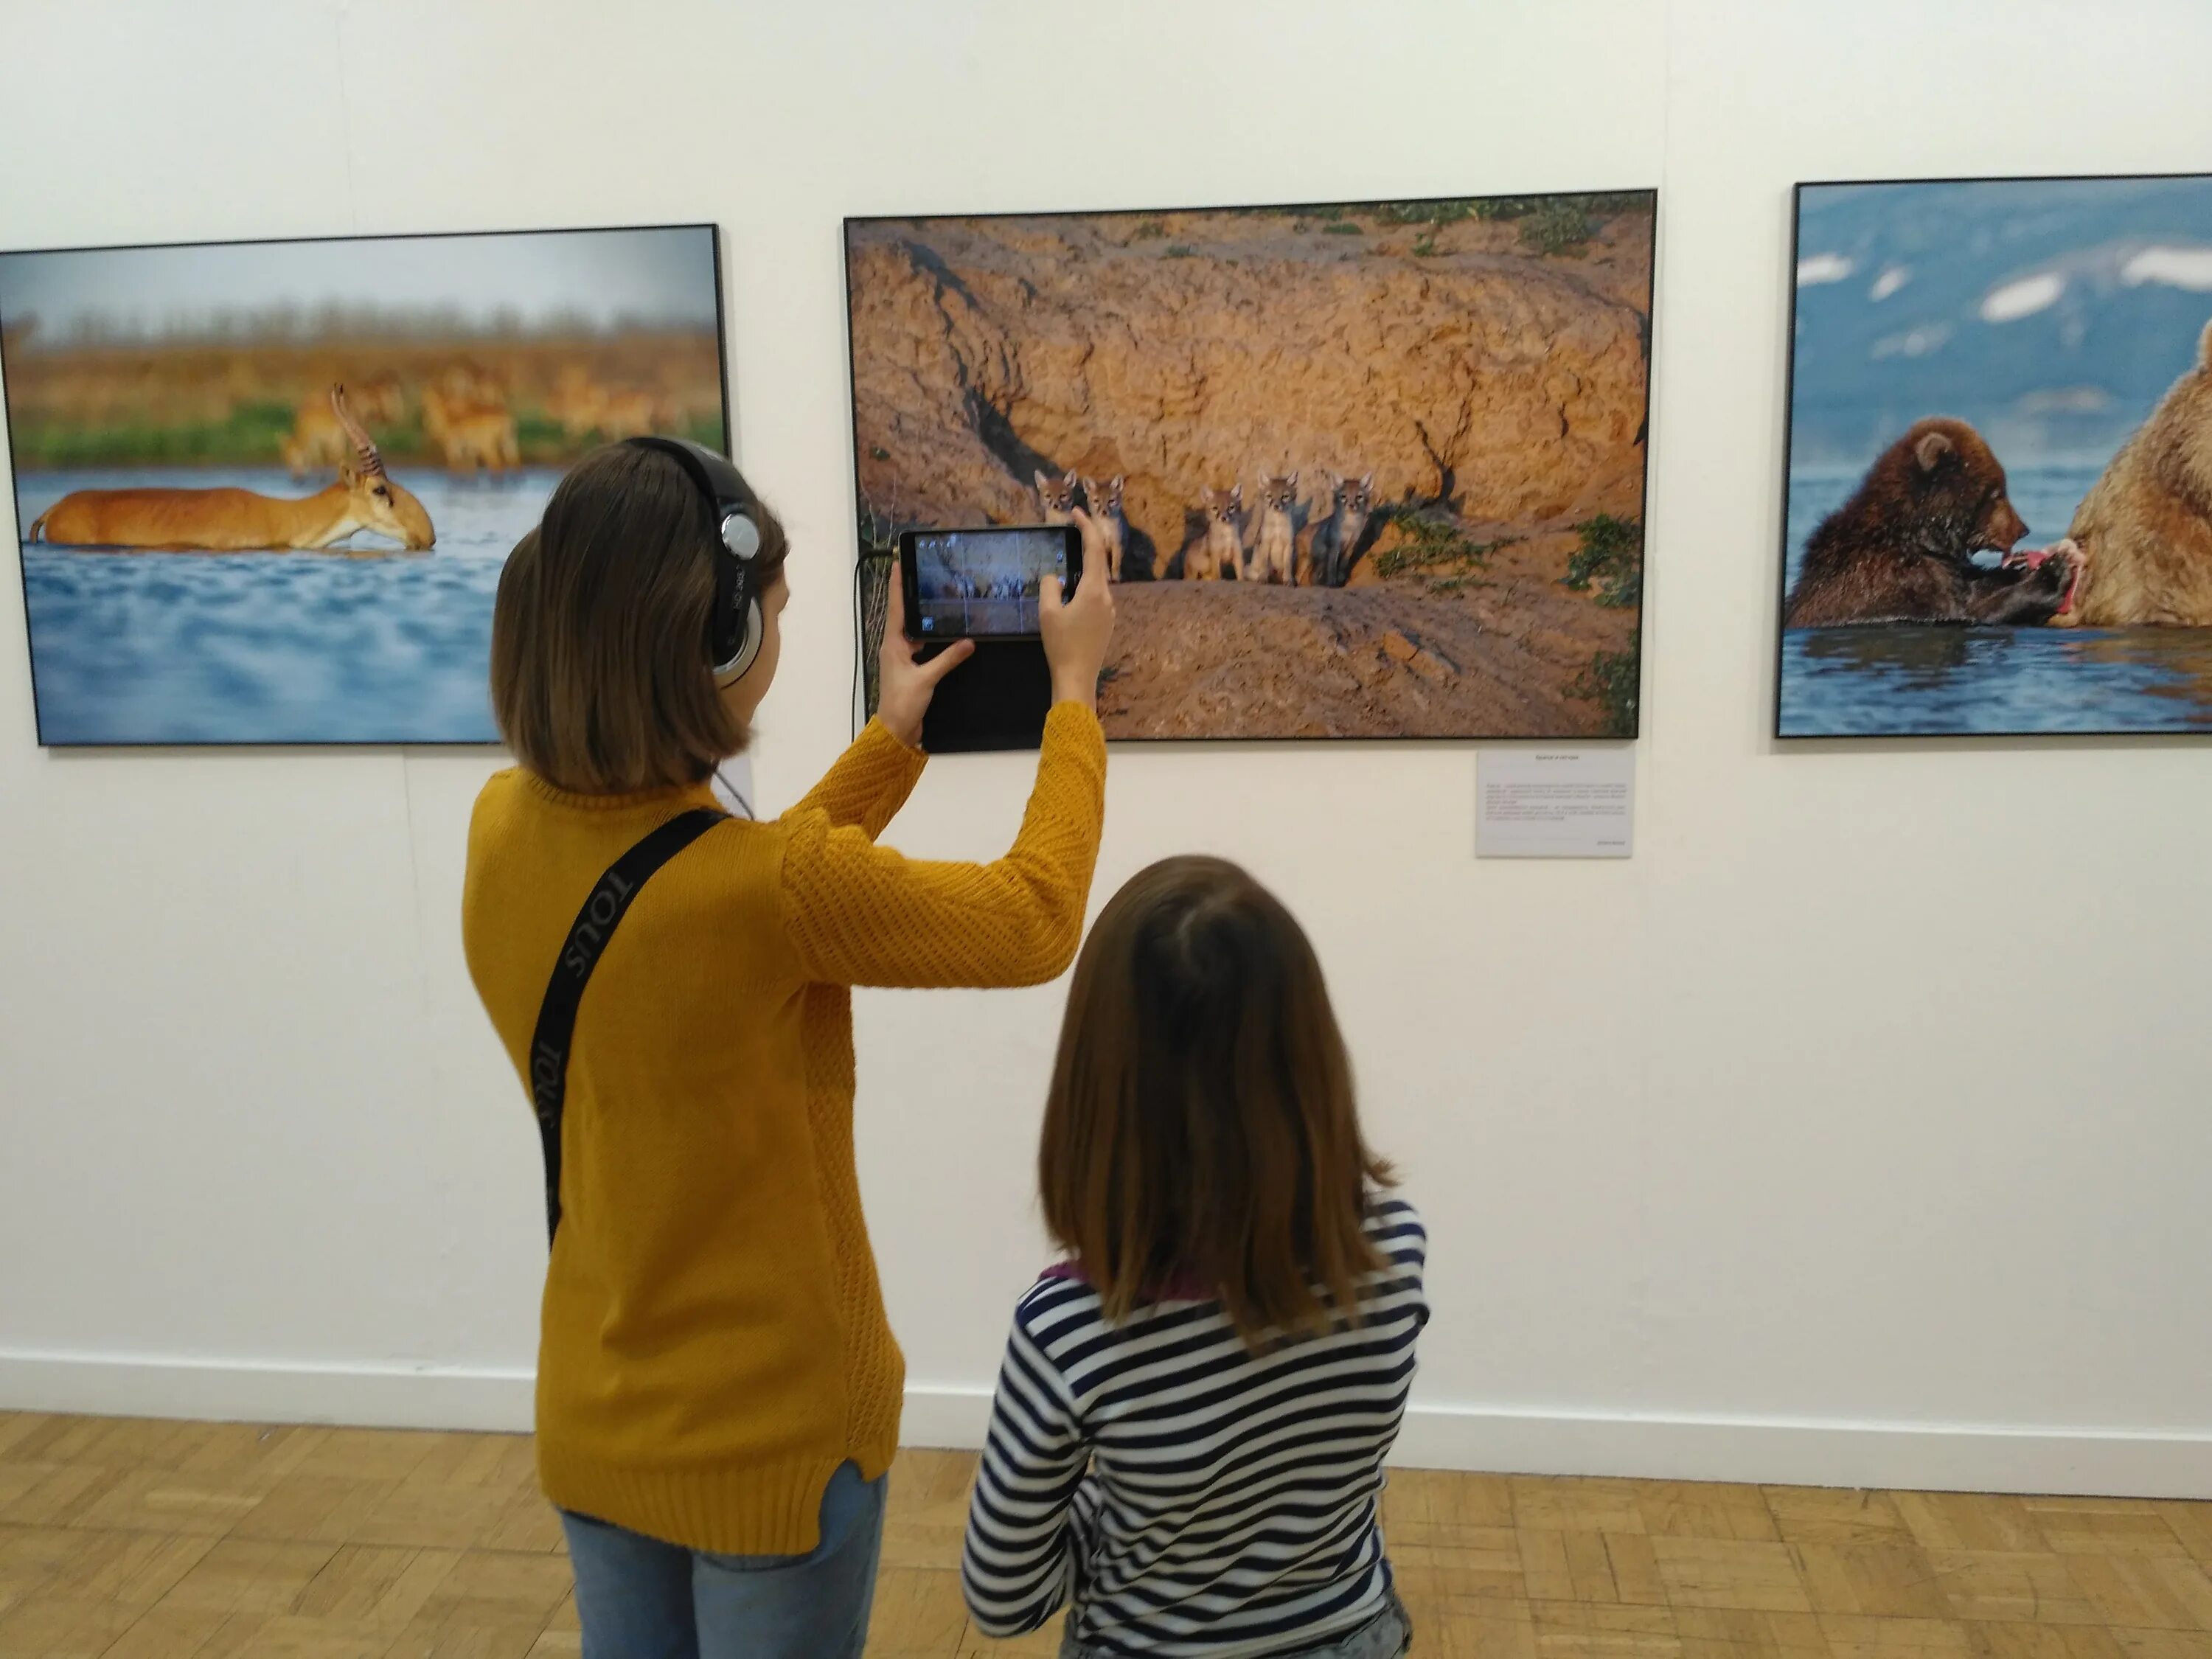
<point x="264" y="490"/>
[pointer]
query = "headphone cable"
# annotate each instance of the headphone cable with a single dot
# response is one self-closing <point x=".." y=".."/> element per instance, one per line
<point x="859" y="638"/>
<point x="736" y="794"/>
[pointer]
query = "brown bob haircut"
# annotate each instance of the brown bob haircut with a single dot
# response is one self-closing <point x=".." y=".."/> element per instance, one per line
<point x="1201" y="1138"/>
<point x="599" y="674"/>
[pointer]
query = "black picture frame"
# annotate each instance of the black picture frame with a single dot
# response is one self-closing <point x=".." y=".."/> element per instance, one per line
<point x="1962" y="738"/>
<point x="866" y="614"/>
<point x="712" y="231"/>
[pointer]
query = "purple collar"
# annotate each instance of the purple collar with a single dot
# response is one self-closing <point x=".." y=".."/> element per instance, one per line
<point x="1180" y="1286"/>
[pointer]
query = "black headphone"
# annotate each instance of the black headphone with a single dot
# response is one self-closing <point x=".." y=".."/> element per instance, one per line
<point x="733" y="626"/>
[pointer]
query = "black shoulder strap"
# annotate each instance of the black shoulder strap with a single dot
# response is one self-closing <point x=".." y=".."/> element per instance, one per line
<point x="579" y="953"/>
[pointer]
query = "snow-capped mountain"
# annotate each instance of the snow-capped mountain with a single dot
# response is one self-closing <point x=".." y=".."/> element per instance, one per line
<point x="2052" y="313"/>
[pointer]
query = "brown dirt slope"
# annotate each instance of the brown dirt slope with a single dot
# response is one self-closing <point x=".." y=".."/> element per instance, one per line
<point x="1224" y="659"/>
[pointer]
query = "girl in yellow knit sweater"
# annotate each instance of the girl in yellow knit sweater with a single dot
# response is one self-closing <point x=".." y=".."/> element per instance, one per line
<point x="718" y="1388"/>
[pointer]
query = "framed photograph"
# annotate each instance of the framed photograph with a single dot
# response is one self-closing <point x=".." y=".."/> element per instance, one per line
<point x="1998" y="481"/>
<point x="1365" y="469"/>
<point x="264" y="490"/>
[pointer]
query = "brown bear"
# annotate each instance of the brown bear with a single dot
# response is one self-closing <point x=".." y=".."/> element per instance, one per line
<point x="1901" y="548"/>
<point x="2146" y="524"/>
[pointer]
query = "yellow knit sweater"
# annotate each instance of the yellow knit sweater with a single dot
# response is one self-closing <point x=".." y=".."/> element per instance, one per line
<point x="713" y="1343"/>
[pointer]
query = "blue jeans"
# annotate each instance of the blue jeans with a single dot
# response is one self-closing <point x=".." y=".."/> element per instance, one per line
<point x="638" y="1598"/>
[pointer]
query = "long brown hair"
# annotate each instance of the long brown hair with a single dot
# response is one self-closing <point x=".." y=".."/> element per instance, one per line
<point x="1201" y="1129"/>
<point x="599" y="678"/>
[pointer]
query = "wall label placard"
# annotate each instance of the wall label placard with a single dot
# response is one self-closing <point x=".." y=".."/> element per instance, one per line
<point x="1554" y="803"/>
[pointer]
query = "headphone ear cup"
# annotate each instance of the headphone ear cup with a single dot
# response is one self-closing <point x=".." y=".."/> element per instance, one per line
<point x="738" y="627"/>
<point x="748" y="645"/>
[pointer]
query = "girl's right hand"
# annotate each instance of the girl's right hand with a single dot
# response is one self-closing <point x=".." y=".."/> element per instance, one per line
<point x="1077" y="631"/>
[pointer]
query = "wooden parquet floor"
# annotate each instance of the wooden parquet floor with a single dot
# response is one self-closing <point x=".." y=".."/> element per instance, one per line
<point x="133" y="1540"/>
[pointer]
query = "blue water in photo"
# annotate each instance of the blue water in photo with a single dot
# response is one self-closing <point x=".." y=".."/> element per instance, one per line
<point x="1908" y="680"/>
<point x="272" y="647"/>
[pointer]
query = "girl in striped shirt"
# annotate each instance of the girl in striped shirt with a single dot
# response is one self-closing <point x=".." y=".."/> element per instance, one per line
<point x="1187" y="1445"/>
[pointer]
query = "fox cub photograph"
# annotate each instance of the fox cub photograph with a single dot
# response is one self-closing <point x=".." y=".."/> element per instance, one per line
<point x="1361" y="469"/>
<point x="2000" y="472"/>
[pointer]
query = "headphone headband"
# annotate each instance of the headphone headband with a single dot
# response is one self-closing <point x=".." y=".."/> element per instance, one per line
<point x="719" y="483"/>
<point x="734" y="629"/>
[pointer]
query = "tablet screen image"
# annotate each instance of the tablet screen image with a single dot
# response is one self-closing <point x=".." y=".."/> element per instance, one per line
<point x="984" y="584"/>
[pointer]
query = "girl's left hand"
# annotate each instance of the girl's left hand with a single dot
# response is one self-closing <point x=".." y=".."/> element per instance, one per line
<point x="906" y="683"/>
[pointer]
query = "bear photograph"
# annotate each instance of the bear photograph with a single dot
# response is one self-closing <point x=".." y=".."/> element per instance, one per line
<point x="1362" y="469"/>
<point x="1999" y="490"/>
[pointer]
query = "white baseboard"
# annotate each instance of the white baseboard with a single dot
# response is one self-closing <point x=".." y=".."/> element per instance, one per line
<point x="257" y="1391"/>
<point x="1956" y="1457"/>
<point x="1911" y="1456"/>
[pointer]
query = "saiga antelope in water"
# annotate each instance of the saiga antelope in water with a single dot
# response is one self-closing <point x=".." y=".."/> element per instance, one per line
<point x="239" y="520"/>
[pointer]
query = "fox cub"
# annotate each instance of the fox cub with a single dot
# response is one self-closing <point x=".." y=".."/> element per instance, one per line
<point x="1219" y="554"/>
<point x="1274" y="554"/>
<point x="1103" y="501"/>
<point x="1056" y="496"/>
<point x="1336" y="537"/>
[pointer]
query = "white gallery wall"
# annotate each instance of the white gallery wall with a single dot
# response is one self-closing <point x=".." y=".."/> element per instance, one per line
<point x="1856" y="1130"/>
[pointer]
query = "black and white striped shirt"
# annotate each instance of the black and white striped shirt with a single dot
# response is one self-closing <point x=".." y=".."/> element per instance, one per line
<point x="1182" y="1495"/>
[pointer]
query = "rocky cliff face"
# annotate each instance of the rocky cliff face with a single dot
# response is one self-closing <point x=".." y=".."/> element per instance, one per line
<point x="1196" y="350"/>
